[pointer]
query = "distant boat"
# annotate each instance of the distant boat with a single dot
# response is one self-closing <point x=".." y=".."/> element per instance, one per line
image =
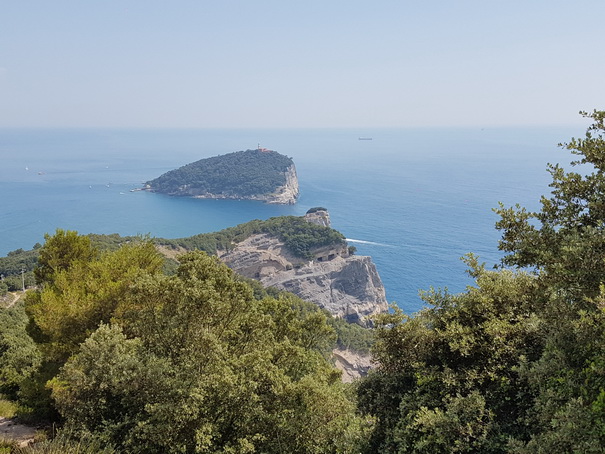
<point x="365" y="138"/>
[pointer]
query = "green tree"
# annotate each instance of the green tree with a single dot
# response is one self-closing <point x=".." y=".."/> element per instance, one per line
<point x="195" y="363"/>
<point x="19" y="355"/>
<point x="60" y="252"/>
<point x="447" y="377"/>
<point x="79" y="291"/>
<point x="515" y="364"/>
<point x="565" y="240"/>
<point x="564" y="243"/>
<point x="82" y="291"/>
<point x="568" y="381"/>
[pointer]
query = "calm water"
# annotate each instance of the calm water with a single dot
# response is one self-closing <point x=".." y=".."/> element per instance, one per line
<point x="415" y="200"/>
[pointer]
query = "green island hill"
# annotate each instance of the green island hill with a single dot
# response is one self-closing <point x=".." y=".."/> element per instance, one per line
<point x="259" y="174"/>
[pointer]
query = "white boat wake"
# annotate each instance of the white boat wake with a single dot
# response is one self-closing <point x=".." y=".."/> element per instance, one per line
<point x="368" y="242"/>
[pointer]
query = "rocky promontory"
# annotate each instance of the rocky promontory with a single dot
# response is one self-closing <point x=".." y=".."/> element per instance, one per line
<point x="346" y="285"/>
<point x="259" y="174"/>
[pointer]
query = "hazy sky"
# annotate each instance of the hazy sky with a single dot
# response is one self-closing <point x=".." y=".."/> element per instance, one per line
<point x="308" y="63"/>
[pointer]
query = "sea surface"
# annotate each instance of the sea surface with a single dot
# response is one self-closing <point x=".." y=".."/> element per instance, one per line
<point x="416" y="200"/>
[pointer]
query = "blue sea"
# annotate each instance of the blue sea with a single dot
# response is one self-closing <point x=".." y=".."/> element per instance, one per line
<point x="416" y="200"/>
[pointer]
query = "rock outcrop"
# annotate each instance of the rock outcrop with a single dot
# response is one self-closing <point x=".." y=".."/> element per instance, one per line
<point x="353" y="365"/>
<point x="319" y="216"/>
<point x="16" y="433"/>
<point x="286" y="194"/>
<point x="346" y="285"/>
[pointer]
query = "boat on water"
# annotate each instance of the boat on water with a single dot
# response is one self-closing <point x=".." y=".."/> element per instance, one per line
<point x="364" y="138"/>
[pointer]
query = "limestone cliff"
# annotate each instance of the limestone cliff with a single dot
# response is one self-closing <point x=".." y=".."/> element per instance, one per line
<point x="288" y="192"/>
<point x="346" y="285"/>
<point x="319" y="216"/>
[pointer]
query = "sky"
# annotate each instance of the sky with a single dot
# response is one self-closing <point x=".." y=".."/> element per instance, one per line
<point x="299" y="64"/>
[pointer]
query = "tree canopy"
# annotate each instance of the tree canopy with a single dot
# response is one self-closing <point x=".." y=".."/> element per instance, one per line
<point x="144" y="362"/>
<point x="565" y="240"/>
<point x="515" y="364"/>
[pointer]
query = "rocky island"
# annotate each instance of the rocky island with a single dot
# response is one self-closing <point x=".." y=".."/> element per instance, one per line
<point x="259" y="174"/>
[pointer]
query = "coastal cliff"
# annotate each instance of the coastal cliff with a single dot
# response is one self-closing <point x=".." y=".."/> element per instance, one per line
<point x="261" y="174"/>
<point x="348" y="286"/>
<point x="287" y="194"/>
<point x="319" y="216"/>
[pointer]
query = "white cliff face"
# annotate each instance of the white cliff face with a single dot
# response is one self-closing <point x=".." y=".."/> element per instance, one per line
<point x="347" y="286"/>
<point x="288" y="193"/>
<point x="319" y="217"/>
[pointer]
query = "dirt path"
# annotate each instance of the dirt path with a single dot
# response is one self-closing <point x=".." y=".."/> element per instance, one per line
<point x="16" y="296"/>
<point x="20" y="433"/>
<point x="10" y="299"/>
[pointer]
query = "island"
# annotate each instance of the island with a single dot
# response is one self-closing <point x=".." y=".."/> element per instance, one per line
<point x="259" y="174"/>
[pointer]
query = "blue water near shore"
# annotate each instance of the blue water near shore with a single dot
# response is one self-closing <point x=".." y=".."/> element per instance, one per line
<point x="416" y="200"/>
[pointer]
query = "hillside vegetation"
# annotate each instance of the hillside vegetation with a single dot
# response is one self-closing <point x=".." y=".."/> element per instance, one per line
<point x="193" y="362"/>
<point x="515" y="364"/>
<point x="239" y="174"/>
<point x="299" y="236"/>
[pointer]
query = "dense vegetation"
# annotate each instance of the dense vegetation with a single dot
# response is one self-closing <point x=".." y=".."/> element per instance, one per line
<point x="239" y="174"/>
<point x="129" y="357"/>
<point x="12" y="266"/>
<point x="350" y="336"/>
<point x="19" y="355"/>
<point x="299" y="236"/>
<point x="516" y="363"/>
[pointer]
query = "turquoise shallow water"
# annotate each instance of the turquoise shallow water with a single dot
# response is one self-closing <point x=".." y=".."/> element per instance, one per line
<point x="416" y="200"/>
